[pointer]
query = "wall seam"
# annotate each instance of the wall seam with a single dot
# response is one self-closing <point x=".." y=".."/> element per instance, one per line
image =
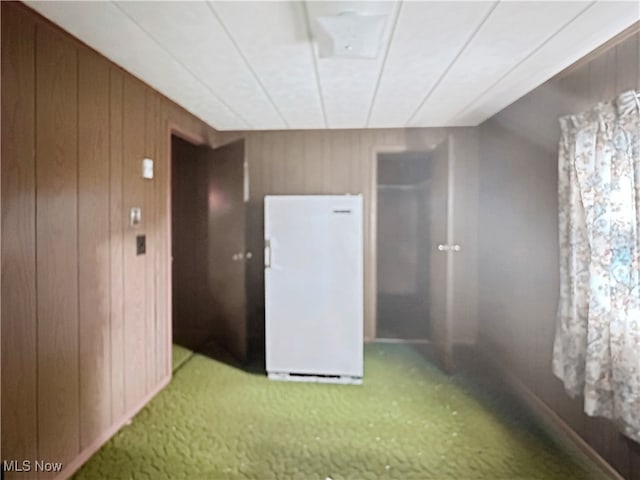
<point x="78" y="320"/>
<point x="35" y="227"/>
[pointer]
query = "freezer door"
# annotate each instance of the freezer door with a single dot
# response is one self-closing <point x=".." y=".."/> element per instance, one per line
<point x="314" y="285"/>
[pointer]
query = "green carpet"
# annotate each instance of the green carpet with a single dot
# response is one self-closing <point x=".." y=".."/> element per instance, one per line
<point x="408" y="421"/>
<point x="180" y="356"/>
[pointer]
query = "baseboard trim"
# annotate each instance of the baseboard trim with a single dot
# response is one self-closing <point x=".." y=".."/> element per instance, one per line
<point x="85" y="454"/>
<point x="550" y="418"/>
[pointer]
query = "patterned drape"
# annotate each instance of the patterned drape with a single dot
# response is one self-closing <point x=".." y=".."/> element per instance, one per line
<point x="597" y="345"/>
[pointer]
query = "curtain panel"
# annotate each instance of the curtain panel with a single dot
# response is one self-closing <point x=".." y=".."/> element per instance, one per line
<point x="596" y="351"/>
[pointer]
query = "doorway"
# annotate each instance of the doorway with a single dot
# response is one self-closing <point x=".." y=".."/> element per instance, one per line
<point x="414" y="249"/>
<point x="208" y="246"/>
<point x="403" y="189"/>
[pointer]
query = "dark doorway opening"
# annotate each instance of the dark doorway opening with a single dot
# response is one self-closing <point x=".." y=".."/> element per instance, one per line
<point x="208" y="249"/>
<point x="403" y="190"/>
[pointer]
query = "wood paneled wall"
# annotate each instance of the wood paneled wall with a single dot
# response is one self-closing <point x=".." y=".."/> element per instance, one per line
<point x="341" y="162"/>
<point x="518" y="236"/>
<point x="314" y="162"/>
<point x="85" y="324"/>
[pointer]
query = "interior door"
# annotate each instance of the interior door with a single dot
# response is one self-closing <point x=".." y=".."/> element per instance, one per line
<point x="226" y="247"/>
<point x="441" y="253"/>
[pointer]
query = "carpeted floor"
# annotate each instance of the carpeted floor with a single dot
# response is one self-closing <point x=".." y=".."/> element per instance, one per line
<point x="408" y="421"/>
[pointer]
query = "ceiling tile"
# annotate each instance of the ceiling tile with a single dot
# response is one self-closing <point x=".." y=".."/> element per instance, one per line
<point x="273" y="38"/>
<point x="511" y="33"/>
<point x="426" y="40"/>
<point x="251" y="65"/>
<point x="348" y="85"/>
<point x="102" y="26"/>
<point x="594" y="27"/>
<point x="190" y="32"/>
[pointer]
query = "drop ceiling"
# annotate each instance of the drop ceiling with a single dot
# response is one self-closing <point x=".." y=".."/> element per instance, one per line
<point x="255" y="65"/>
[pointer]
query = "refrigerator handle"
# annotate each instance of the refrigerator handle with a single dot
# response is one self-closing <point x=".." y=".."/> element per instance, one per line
<point x="267" y="253"/>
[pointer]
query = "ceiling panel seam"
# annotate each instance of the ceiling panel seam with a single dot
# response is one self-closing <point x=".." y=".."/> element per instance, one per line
<point x="186" y="69"/>
<point x="463" y="110"/>
<point x="247" y="63"/>
<point x="384" y="62"/>
<point x="315" y="63"/>
<point x="451" y="64"/>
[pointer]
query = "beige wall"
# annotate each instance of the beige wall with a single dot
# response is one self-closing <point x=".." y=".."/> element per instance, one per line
<point x="518" y="236"/>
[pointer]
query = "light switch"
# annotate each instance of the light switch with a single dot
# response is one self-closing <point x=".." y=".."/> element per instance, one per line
<point x="147" y="168"/>
<point x="135" y="216"/>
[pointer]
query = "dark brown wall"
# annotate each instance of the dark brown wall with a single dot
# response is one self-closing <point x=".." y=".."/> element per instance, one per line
<point x="518" y="235"/>
<point x="84" y="319"/>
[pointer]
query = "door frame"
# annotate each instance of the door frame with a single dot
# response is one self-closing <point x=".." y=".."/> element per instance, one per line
<point x="372" y="259"/>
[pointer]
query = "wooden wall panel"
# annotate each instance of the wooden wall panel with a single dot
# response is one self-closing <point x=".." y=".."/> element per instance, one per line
<point x="602" y="76"/>
<point x="57" y="243"/>
<point x="86" y="339"/>
<point x="19" y="420"/>
<point x="94" y="259"/>
<point x="331" y="162"/>
<point x="116" y="226"/>
<point x="135" y="315"/>
<point x="313" y="162"/>
<point x="162" y="251"/>
<point x="518" y="208"/>
<point x="152" y="232"/>
<point x="627" y="67"/>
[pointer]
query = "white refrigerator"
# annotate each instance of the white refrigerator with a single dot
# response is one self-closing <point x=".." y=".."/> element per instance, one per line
<point x="314" y="287"/>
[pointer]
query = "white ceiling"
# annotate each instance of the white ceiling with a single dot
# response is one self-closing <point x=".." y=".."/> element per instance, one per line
<point x="254" y="65"/>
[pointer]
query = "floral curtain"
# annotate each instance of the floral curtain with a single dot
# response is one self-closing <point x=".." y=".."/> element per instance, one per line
<point x="597" y="345"/>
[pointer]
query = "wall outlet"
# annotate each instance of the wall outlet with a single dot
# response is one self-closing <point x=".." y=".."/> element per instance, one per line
<point x="141" y="244"/>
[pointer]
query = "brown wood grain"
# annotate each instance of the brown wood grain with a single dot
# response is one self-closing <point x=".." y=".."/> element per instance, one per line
<point x="116" y="226"/>
<point x="163" y="254"/>
<point x="19" y="421"/>
<point x="518" y="207"/>
<point x="602" y="77"/>
<point x="331" y="162"/>
<point x="277" y="163"/>
<point x="135" y="346"/>
<point x="94" y="259"/>
<point x="57" y="243"/>
<point x="295" y="165"/>
<point x="312" y="147"/>
<point x="338" y="164"/>
<point x="227" y="245"/>
<point x="152" y="230"/>
<point x="627" y="54"/>
<point x="76" y="206"/>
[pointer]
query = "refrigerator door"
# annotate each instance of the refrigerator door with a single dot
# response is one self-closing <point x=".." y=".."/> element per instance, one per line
<point x="314" y="285"/>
